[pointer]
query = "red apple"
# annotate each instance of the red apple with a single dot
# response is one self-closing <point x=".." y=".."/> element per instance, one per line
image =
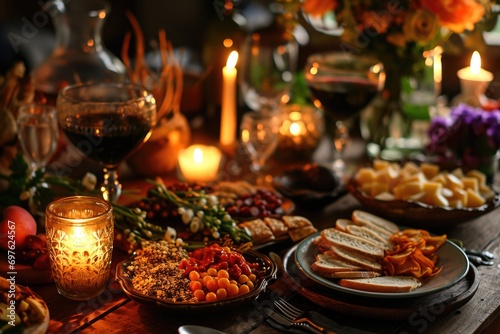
<point x="16" y="225"/>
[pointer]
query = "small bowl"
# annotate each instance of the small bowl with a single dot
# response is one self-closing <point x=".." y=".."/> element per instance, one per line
<point x="311" y="185"/>
<point x="417" y="214"/>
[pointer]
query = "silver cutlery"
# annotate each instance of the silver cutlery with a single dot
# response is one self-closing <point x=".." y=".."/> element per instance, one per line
<point x="296" y="315"/>
<point x="285" y="322"/>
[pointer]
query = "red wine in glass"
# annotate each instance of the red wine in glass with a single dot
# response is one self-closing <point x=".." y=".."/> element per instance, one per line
<point x="344" y="84"/>
<point x="108" y="138"/>
<point x="343" y="98"/>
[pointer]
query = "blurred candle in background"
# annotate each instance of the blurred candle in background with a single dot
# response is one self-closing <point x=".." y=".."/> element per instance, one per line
<point x="474" y="81"/>
<point x="200" y="163"/>
<point x="228" y="112"/>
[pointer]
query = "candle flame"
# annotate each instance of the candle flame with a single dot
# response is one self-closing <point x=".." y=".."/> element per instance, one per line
<point x="198" y="155"/>
<point x="232" y="59"/>
<point x="295" y="129"/>
<point x="475" y="63"/>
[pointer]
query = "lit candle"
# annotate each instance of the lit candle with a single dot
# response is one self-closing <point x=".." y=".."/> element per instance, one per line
<point x="228" y="112"/>
<point x="474" y="72"/>
<point x="199" y="163"/>
<point x="79" y="233"/>
<point x="473" y="82"/>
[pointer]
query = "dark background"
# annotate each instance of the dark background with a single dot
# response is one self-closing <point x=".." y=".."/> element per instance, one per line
<point x="195" y="24"/>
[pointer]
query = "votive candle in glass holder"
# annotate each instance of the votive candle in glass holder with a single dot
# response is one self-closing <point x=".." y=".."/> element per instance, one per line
<point x="79" y="232"/>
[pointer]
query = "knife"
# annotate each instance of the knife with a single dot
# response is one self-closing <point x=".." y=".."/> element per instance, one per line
<point x="288" y="324"/>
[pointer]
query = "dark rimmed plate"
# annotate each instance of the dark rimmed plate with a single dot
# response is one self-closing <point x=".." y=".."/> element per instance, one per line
<point x="418" y="214"/>
<point x="270" y="273"/>
<point x="451" y="258"/>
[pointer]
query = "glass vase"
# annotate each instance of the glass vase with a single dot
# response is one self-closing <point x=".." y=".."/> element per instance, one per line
<point x="79" y="54"/>
<point x="395" y="126"/>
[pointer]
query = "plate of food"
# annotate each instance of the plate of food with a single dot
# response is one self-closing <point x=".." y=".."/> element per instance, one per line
<point x="34" y="317"/>
<point x="353" y="258"/>
<point x="422" y="195"/>
<point x="209" y="278"/>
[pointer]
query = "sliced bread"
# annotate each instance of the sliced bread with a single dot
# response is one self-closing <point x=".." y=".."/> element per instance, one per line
<point x="341" y="224"/>
<point x="325" y="263"/>
<point x="352" y="274"/>
<point x="365" y="232"/>
<point x="365" y="218"/>
<point x="352" y="243"/>
<point x="385" y="284"/>
<point x="356" y="259"/>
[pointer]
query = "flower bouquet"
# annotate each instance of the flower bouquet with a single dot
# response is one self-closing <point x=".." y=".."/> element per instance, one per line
<point x="398" y="33"/>
<point x="469" y="138"/>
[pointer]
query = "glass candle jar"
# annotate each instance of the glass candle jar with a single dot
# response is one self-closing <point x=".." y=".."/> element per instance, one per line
<point x="79" y="233"/>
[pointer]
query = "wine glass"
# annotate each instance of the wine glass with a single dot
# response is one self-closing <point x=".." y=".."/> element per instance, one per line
<point x="38" y="134"/>
<point x="268" y="59"/>
<point x="107" y="122"/>
<point x="342" y="84"/>
<point x="259" y="139"/>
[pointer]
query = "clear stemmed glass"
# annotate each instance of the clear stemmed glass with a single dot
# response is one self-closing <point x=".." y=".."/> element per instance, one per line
<point x="38" y="133"/>
<point x="107" y="122"/>
<point x="268" y="60"/>
<point x="259" y="139"/>
<point x="342" y="84"/>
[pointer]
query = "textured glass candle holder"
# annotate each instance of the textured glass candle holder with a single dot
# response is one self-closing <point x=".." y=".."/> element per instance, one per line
<point x="79" y="233"/>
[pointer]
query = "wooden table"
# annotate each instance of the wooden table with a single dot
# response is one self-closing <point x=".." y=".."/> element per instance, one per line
<point x="113" y="312"/>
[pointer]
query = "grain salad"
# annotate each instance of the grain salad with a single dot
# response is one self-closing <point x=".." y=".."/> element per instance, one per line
<point x="155" y="272"/>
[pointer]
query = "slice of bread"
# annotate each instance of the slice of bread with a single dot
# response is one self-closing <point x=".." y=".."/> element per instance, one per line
<point x="365" y="218"/>
<point x="325" y="263"/>
<point x="385" y="284"/>
<point x="341" y="224"/>
<point x="353" y="243"/>
<point x="365" y="232"/>
<point x="356" y="259"/>
<point x="352" y="274"/>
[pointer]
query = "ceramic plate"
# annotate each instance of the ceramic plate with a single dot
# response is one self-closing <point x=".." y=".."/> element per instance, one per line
<point x="252" y="256"/>
<point x="452" y="259"/>
<point x="418" y="214"/>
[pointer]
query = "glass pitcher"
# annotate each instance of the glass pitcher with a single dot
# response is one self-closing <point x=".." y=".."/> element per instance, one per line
<point x="79" y="54"/>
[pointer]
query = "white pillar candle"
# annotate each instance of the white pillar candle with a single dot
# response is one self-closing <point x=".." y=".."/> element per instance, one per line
<point x="199" y="163"/>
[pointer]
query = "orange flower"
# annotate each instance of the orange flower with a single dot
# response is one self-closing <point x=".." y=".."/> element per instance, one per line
<point x="319" y="7"/>
<point x="456" y="15"/>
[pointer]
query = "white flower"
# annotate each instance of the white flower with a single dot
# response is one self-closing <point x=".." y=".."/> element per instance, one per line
<point x="194" y="226"/>
<point x="181" y="210"/>
<point x="187" y="216"/>
<point x="89" y="181"/>
<point x="202" y="202"/>
<point x="200" y="214"/>
<point x="170" y="235"/>
<point x="212" y="200"/>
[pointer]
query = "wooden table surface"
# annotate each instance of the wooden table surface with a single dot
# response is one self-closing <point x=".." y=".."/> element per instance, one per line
<point x="113" y="312"/>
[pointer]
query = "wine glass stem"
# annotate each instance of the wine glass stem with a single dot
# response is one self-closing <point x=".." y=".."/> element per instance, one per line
<point x="111" y="187"/>
<point x="340" y="139"/>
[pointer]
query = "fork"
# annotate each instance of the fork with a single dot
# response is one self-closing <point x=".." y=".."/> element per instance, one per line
<point x="296" y="315"/>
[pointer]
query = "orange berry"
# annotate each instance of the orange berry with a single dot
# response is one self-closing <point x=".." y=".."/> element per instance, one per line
<point x="199" y="294"/>
<point x="212" y="272"/>
<point x="195" y="285"/>
<point x="244" y="289"/>
<point x="207" y="279"/>
<point x="194" y="275"/>
<point x="223" y="283"/>
<point x="252" y="277"/>
<point x="250" y="285"/>
<point x="242" y="279"/>
<point x="222" y="273"/>
<point x="232" y="290"/>
<point x="210" y="297"/>
<point x="221" y="294"/>
<point x="212" y="285"/>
